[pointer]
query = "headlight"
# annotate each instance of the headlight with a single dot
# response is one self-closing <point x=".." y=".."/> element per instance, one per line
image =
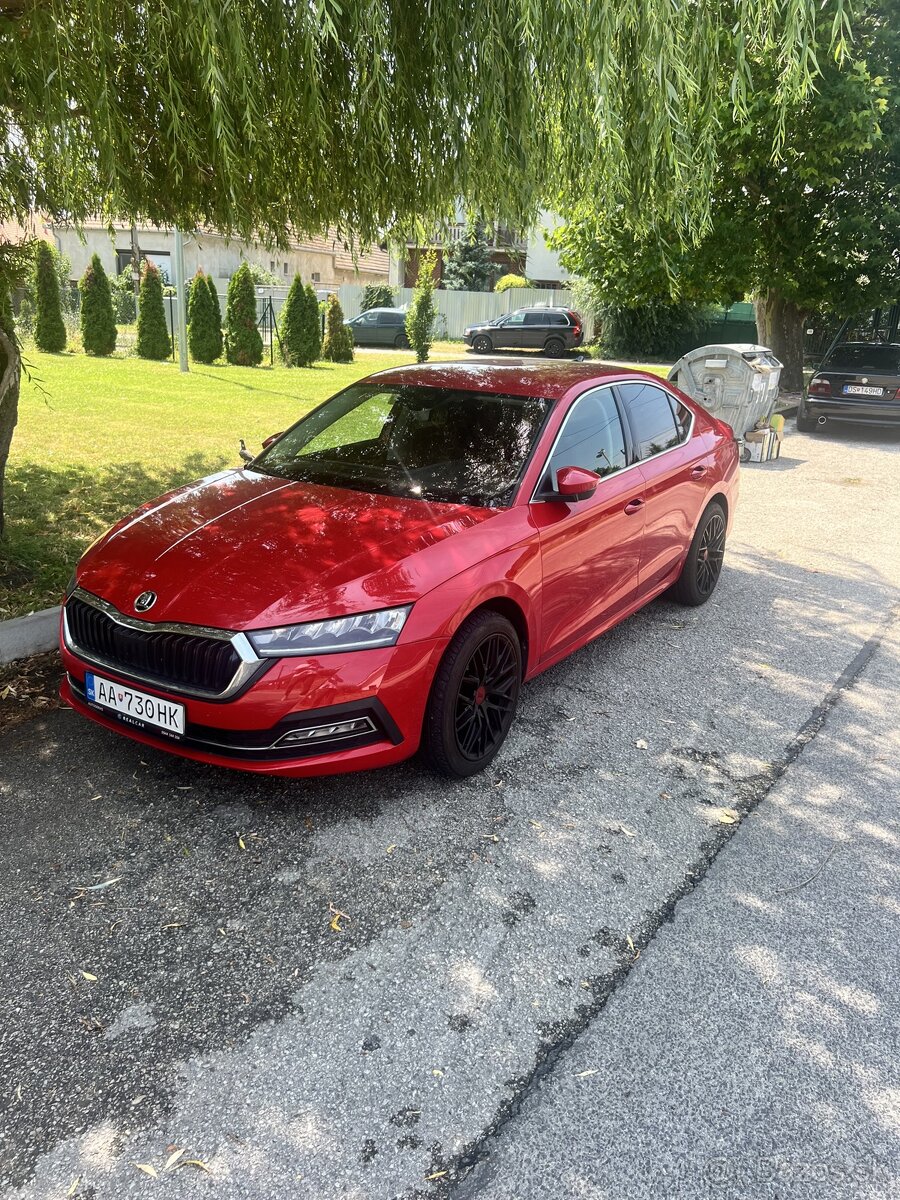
<point x="365" y="631"/>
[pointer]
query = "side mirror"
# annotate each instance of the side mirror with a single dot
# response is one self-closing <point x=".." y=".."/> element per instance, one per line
<point x="273" y="437"/>
<point x="576" y="483"/>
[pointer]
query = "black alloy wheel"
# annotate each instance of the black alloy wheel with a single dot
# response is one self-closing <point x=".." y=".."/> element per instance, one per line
<point x="482" y="344"/>
<point x="474" y="696"/>
<point x="554" y="347"/>
<point x="703" y="564"/>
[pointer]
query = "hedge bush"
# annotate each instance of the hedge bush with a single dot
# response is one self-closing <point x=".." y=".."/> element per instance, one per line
<point x="377" y="295"/>
<point x="338" y="343"/>
<point x="153" y="339"/>
<point x="49" y="327"/>
<point x="243" y="341"/>
<point x="216" y="309"/>
<point x="301" y="339"/>
<point x="505" y="282"/>
<point x="204" y="330"/>
<point x="98" y="320"/>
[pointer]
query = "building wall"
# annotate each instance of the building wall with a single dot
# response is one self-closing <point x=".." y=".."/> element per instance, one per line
<point x="211" y="253"/>
<point x="542" y="265"/>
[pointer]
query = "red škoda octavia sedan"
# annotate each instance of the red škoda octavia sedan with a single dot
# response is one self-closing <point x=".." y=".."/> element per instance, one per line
<point x="385" y="574"/>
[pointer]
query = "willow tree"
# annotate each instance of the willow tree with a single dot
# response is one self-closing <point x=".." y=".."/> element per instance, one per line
<point x="194" y="112"/>
<point x="815" y="231"/>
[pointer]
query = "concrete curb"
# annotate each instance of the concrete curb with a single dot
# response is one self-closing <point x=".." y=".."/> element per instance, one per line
<point x="35" y="634"/>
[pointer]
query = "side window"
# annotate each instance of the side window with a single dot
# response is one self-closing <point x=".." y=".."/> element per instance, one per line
<point x="682" y="416"/>
<point x="368" y="318"/>
<point x="559" y="319"/>
<point x="515" y="318"/>
<point x="536" y="318"/>
<point x="390" y="319"/>
<point x="591" y="437"/>
<point x="650" y="414"/>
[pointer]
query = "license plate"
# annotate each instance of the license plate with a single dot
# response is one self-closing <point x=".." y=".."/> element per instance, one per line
<point x="136" y="708"/>
<point x="851" y="389"/>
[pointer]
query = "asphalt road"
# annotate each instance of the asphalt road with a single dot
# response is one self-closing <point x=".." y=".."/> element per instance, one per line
<point x="503" y="935"/>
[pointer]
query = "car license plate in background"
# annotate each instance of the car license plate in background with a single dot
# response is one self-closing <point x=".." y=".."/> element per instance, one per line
<point x="143" y="709"/>
<point x="851" y="389"/>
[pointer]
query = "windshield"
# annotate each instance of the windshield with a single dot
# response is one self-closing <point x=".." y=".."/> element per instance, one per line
<point x="879" y="360"/>
<point x="425" y="443"/>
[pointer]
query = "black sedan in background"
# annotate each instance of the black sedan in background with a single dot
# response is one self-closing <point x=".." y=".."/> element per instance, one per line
<point x="380" y="327"/>
<point x="858" y="383"/>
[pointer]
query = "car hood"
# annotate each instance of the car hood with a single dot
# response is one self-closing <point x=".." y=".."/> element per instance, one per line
<point x="242" y="550"/>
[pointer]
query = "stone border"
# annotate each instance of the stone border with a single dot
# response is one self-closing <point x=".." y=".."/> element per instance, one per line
<point x="35" y="634"/>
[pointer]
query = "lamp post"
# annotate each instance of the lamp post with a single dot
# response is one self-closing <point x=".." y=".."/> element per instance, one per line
<point x="181" y="308"/>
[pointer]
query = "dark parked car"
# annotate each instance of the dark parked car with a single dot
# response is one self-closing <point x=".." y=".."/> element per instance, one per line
<point x="553" y="330"/>
<point x="858" y="382"/>
<point x="380" y="327"/>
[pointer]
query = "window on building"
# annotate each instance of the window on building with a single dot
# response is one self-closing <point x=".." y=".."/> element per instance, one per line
<point x="285" y="268"/>
<point x="161" y="259"/>
<point x="272" y="265"/>
<point x="316" y="277"/>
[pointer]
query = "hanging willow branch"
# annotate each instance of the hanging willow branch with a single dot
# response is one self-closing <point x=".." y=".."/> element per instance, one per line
<point x="257" y="115"/>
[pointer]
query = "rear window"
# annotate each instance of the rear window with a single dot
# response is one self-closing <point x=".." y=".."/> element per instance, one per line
<point x="880" y="360"/>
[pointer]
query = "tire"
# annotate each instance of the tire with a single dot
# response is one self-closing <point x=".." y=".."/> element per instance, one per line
<point x="554" y="347"/>
<point x="401" y="342"/>
<point x="805" y="423"/>
<point x="703" y="564"/>
<point x="482" y="344"/>
<point x="473" y="697"/>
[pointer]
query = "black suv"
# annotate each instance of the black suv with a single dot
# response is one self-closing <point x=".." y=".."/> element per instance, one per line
<point x="553" y="330"/>
<point x="858" y="382"/>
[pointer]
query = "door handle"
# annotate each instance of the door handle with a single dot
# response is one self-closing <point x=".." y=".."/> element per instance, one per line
<point x="633" y="506"/>
<point x="698" y="472"/>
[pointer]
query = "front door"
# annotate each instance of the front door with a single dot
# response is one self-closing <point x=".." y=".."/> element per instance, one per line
<point x="590" y="549"/>
<point x="510" y="332"/>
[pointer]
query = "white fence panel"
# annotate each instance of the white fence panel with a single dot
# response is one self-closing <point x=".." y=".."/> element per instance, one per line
<point x="456" y="310"/>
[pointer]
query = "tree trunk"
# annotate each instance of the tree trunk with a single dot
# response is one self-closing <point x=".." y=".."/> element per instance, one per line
<point x="9" y="403"/>
<point x="779" y="325"/>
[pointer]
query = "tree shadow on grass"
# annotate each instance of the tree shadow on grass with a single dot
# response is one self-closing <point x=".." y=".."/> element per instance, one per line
<point x="54" y="512"/>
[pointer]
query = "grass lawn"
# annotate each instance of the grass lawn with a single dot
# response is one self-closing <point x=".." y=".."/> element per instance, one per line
<point x="96" y="437"/>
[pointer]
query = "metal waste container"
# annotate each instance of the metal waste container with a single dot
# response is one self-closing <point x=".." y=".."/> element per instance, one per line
<point x="737" y="383"/>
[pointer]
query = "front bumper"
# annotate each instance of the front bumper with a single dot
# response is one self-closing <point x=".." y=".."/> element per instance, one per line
<point x="389" y="687"/>
<point x="856" y="412"/>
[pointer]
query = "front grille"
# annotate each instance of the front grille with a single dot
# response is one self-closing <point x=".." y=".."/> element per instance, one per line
<point x="182" y="660"/>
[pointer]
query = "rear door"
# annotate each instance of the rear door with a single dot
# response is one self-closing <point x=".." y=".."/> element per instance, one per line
<point x="536" y="330"/>
<point x="676" y="468"/>
<point x="590" y="549"/>
<point x="390" y="324"/>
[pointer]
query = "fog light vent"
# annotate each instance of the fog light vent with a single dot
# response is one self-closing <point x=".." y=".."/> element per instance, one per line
<point x="332" y="732"/>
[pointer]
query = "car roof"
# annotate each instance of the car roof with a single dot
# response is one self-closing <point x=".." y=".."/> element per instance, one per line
<point x="390" y="310"/>
<point x="549" y="379"/>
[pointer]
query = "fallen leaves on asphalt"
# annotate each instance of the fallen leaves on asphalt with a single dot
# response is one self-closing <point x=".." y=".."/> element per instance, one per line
<point x="726" y="816"/>
<point x="337" y="917"/>
<point x="148" y="1169"/>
